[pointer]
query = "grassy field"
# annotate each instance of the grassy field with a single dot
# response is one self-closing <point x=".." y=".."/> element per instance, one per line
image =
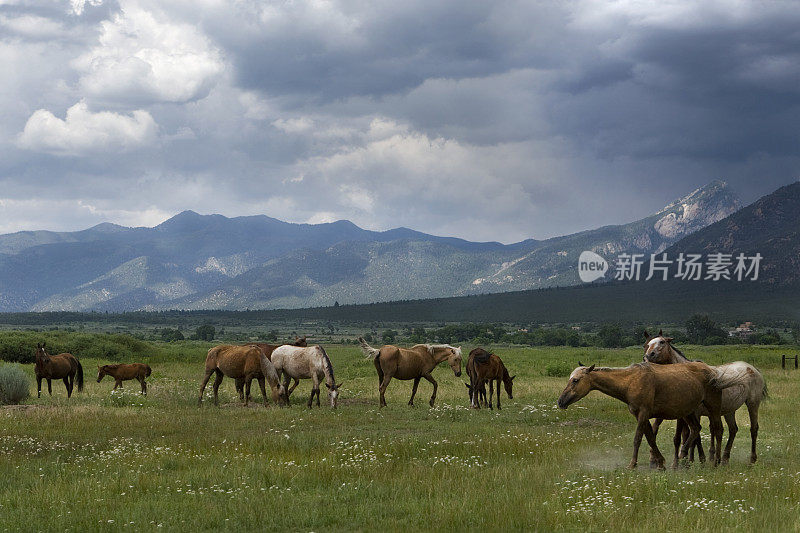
<point x="103" y="461"/>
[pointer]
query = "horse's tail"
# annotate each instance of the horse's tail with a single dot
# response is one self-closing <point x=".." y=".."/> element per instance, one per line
<point x="731" y="375"/>
<point x="147" y="371"/>
<point x="80" y="376"/>
<point x="369" y="351"/>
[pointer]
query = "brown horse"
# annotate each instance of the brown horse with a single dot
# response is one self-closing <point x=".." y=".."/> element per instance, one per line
<point x="267" y="350"/>
<point x="124" y="372"/>
<point x="483" y="366"/>
<point x="245" y="363"/>
<point x="659" y="350"/>
<point x="657" y="391"/>
<point x="62" y="366"/>
<point x="410" y="363"/>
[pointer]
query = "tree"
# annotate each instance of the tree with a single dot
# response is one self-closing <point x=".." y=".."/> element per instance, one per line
<point x="205" y="332"/>
<point x="610" y="336"/>
<point x="171" y="335"/>
<point x="700" y="329"/>
<point x="388" y="336"/>
<point x="272" y="336"/>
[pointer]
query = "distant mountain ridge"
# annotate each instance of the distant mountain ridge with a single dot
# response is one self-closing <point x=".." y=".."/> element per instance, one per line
<point x="194" y="261"/>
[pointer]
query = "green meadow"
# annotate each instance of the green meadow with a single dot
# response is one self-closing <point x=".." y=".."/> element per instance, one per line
<point x="101" y="461"/>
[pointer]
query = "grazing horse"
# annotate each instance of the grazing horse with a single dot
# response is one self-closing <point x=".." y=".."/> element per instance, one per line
<point x="658" y="391"/>
<point x="659" y="350"/>
<point x="410" y="363"/>
<point x="310" y="362"/>
<point x="123" y="372"/>
<point x="483" y="366"/>
<point x="267" y="350"/>
<point x="62" y="366"/>
<point x="245" y="363"/>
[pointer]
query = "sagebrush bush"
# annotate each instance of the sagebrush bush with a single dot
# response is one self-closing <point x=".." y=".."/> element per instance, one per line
<point x="14" y="384"/>
<point x="558" y="370"/>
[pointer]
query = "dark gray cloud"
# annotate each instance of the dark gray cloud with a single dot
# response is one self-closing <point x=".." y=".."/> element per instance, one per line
<point x="544" y="118"/>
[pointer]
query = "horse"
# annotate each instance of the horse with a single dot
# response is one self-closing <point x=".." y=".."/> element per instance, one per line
<point x="62" y="366"/>
<point x="124" y="372"/>
<point x="310" y="362"/>
<point x="242" y="363"/>
<point x="410" y="363"/>
<point x="658" y="391"/>
<point x="659" y="350"/>
<point x="267" y="350"/>
<point x="483" y="366"/>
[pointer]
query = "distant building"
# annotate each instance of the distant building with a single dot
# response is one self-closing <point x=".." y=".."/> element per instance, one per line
<point x="743" y="330"/>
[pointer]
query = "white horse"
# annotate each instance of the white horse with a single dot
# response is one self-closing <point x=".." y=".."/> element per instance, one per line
<point x="307" y="363"/>
<point x="658" y="350"/>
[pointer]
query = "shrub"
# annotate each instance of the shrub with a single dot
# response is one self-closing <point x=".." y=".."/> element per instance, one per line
<point x="14" y="384"/>
<point x="558" y="370"/>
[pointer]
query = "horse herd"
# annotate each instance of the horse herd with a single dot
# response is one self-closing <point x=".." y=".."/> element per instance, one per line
<point x="664" y="386"/>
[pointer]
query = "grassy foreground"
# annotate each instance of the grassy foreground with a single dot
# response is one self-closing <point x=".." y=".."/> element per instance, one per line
<point x="108" y="462"/>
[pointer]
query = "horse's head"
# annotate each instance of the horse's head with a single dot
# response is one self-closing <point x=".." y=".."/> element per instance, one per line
<point x="578" y="386"/>
<point x="41" y="354"/>
<point x="657" y="349"/>
<point x="282" y="396"/>
<point x="508" y="383"/>
<point x="333" y="394"/>
<point x="300" y="341"/>
<point x="454" y="360"/>
<point x="101" y="372"/>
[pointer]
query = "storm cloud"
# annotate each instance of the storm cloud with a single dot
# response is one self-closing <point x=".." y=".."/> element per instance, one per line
<point x="484" y="120"/>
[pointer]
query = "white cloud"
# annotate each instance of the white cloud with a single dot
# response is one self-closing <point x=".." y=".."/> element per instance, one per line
<point x="143" y="57"/>
<point x="84" y="132"/>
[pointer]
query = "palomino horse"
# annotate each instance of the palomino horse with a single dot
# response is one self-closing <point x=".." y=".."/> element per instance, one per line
<point x="62" y="366"/>
<point x="410" y="363"/>
<point x="483" y="366"/>
<point x="245" y="363"/>
<point x="658" y="391"/>
<point x="123" y="372"/>
<point x="659" y="350"/>
<point x="310" y="362"/>
<point x="267" y="350"/>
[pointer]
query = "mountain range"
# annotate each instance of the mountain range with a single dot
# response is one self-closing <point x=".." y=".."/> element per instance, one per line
<point x="194" y="261"/>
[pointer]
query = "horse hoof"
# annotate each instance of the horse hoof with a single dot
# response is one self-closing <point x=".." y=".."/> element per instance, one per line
<point x="632" y="465"/>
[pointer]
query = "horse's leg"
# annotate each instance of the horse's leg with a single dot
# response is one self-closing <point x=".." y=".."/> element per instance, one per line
<point x="752" y="410"/>
<point x="38" y="386"/>
<point x="414" y="390"/>
<point x="656" y="424"/>
<point x="644" y="427"/>
<point x="49" y="387"/>
<point x="286" y="380"/>
<point x="435" y="386"/>
<point x="240" y="388"/>
<point x="498" y="394"/>
<point x="203" y="384"/>
<point x="248" y="381"/>
<point x="294" y="386"/>
<point x="676" y="443"/>
<point x="117" y="383"/>
<point x="217" y="382"/>
<point x="693" y="427"/>
<point x="637" y="440"/>
<point x="382" y="389"/>
<point x="314" y="389"/>
<point x="730" y="419"/>
<point x="716" y="438"/>
<point x="262" y="386"/>
<point x="491" y="393"/>
<point x="66" y="384"/>
<point x="144" y="385"/>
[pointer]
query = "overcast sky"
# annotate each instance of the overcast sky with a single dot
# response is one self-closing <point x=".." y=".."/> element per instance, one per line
<point x="485" y="120"/>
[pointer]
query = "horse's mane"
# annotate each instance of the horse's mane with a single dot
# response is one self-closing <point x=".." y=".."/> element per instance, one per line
<point x="434" y="346"/>
<point x="327" y="362"/>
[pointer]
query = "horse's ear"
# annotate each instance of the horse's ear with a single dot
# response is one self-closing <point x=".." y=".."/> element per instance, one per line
<point x="338" y="385"/>
<point x="580" y="364"/>
<point x="329" y="387"/>
<point x="431" y="349"/>
<point x="590" y="368"/>
<point x="668" y="339"/>
<point x="661" y="333"/>
<point x="512" y="377"/>
<point x="646" y="335"/>
<point x="467" y="385"/>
